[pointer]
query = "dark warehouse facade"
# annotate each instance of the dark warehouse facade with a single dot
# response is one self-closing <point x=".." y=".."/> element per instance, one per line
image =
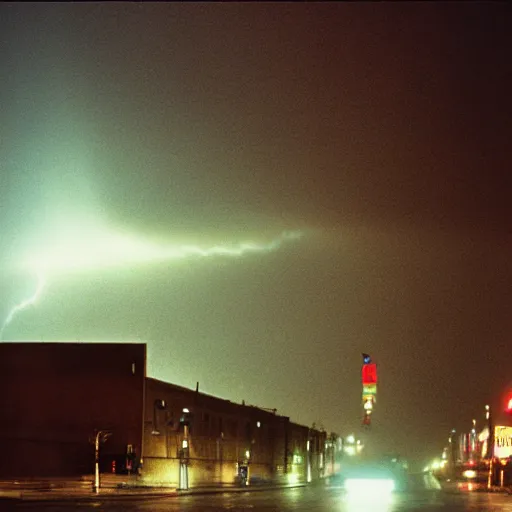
<point x="56" y="396"/>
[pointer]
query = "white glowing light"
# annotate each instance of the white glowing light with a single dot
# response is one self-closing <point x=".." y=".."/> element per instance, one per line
<point x="86" y="248"/>
<point x="350" y="450"/>
<point x="292" y="478"/>
<point x="368" y="405"/>
<point x="469" y="473"/>
<point x="375" y="494"/>
<point x="376" y="486"/>
<point x="25" y="303"/>
<point x="100" y="249"/>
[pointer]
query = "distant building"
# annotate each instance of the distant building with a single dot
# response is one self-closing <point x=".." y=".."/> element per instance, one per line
<point x="55" y="395"/>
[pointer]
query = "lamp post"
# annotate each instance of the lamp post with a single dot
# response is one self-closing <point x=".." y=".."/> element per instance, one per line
<point x="100" y="436"/>
<point x="473" y="442"/>
<point x="185" y="450"/>
<point x="452" y="450"/>
<point x="490" y="445"/>
<point x="308" y="458"/>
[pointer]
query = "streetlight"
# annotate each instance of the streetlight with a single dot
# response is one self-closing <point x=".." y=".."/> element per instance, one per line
<point x="308" y="458"/>
<point x="452" y="448"/>
<point x="490" y="444"/>
<point x="185" y="449"/>
<point x="100" y="436"/>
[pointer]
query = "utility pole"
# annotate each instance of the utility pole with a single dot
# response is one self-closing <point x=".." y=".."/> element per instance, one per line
<point x="453" y="455"/>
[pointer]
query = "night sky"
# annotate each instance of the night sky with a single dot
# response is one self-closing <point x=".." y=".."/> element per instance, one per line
<point x="380" y="131"/>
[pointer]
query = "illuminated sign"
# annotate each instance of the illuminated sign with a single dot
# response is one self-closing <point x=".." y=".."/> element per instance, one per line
<point x="368" y="405"/>
<point x="503" y="442"/>
<point x="369" y="389"/>
<point x="369" y="374"/>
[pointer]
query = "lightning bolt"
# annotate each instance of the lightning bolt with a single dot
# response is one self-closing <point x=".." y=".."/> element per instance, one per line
<point x="100" y="249"/>
<point x="41" y="281"/>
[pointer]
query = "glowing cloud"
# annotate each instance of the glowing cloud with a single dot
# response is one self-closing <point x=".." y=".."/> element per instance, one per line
<point x="102" y="249"/>
<point x="94" y="249"/>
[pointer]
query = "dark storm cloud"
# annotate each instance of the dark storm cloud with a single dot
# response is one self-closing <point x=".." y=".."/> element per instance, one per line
<point x="382" y="130"/>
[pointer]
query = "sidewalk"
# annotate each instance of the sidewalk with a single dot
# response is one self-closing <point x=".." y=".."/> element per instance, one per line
<point x="469" y="486"/>
<point x="76" y="489"/>
<point x="84" y="493"/>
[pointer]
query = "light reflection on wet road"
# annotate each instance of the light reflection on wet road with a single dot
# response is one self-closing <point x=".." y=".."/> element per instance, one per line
<point x="325" y="497"/>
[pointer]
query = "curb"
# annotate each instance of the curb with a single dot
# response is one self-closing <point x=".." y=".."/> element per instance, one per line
<point x="249" y="488"/>
<point x="138" y="495"/>
<point x="84" y="499"/>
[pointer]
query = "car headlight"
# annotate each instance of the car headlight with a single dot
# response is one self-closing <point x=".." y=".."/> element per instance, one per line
<point x="375" y="486"/>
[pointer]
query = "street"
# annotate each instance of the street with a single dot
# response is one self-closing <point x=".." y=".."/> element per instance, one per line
<point x="422" y="494"/>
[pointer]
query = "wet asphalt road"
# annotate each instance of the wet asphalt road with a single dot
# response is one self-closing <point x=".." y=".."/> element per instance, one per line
<point x="422" y="495"/>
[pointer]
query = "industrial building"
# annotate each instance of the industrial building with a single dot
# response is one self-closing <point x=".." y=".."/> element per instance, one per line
<point x="57" y="396"/>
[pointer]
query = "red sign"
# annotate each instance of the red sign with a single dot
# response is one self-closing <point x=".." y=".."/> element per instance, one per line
<point x="370" y="374"/>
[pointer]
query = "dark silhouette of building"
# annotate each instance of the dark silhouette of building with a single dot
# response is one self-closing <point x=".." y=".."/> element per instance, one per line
<point x="55" y="396"/>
